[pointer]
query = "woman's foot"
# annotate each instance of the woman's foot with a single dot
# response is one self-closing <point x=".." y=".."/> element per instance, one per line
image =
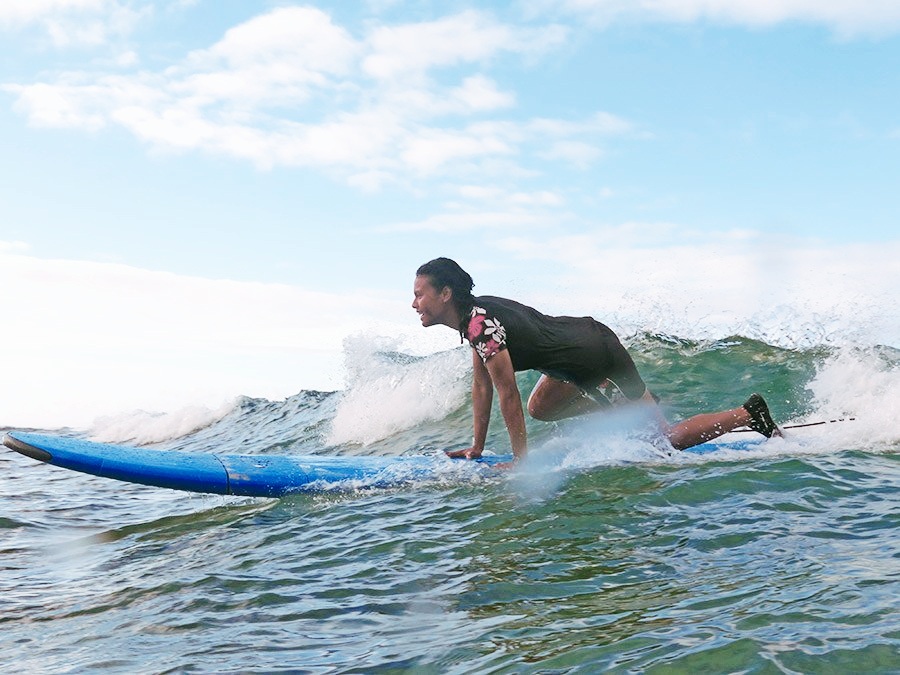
<point x="760" y="417"/>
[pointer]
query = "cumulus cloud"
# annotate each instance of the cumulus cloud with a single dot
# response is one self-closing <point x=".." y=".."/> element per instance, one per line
<point x="294" y="88"/>
<point x="273" y="58"/>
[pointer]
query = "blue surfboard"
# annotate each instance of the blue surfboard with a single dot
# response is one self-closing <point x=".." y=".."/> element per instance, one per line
<point x="246" y="475"/>
<point x="226" y="474"/>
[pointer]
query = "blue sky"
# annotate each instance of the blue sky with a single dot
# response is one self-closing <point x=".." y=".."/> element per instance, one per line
<point x="220" y="192"/>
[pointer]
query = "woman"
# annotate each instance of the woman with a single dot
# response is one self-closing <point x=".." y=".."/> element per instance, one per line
<point x="584" y="366"/>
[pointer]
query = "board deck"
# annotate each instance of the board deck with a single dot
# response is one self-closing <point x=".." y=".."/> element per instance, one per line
<point x="246" y="475"/>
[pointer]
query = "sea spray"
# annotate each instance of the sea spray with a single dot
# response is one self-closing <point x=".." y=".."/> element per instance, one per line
<point x="388" y="392"/>
<point x="617" y="437"/>
<point x="863" y="384"/>
<point x="141" y="427"/>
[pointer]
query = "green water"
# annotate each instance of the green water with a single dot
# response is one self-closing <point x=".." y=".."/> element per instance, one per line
<point x="784" y="560"/>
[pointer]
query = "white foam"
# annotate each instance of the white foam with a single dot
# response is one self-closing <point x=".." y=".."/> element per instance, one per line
<point x="386" y="394"/>
<point x="140" y="427"/>
<point x="865" y="385"/>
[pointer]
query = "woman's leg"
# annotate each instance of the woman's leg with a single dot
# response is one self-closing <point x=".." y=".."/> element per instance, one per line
<point x="701" y="428"/>
<point x="705" y="427"/>
<point x="553" y="400"/>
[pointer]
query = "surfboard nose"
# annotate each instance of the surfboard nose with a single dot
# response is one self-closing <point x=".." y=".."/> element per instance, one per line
<point x="28" y="450"/>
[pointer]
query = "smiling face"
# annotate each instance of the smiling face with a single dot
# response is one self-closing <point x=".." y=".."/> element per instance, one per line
<point x="434" y="306"/>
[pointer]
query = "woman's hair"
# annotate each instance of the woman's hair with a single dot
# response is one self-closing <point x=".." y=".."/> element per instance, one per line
<point x="444" y="272"/>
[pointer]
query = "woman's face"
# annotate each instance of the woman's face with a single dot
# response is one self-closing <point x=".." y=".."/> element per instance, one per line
<point x="431" y="304"/>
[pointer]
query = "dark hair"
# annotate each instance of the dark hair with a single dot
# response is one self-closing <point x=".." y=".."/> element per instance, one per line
<point x="444" y="272"/>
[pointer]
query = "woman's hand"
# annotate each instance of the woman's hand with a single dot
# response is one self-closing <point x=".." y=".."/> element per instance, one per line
<point x="468" y="453"/>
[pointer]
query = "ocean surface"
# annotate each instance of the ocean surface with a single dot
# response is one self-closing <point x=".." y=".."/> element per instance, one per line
<point x="618" y="558"/>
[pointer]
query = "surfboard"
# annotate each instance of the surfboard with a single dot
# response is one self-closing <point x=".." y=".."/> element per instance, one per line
<point x="248" y="475"/>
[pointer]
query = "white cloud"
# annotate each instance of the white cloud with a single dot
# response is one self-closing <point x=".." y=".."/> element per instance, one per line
<point x="845" y="17"/>
<point x="75" y="22"/>
<point x="288" y="46"/>
<point x="480" y="93"/>
<point x="292" y="88"/>
<point x="599" y="123"/>
<point x="540" y="198"/>
<point x="491" y="209"/>
<point x="432" y="148"/>
<point x="497" y="195"/>
<point x="126" y="59"/>
<point x="468" y="37"/>
<point x="23" y="11"/>
<point x="575" y="152"/>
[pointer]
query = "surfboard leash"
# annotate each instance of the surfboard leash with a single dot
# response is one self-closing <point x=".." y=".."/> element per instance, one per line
<point x="800" y="426"/>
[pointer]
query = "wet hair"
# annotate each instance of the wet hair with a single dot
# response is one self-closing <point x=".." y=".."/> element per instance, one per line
<point x="444" y="272"/>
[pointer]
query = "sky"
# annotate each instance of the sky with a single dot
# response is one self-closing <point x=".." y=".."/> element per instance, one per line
<point x="201" y="199"/>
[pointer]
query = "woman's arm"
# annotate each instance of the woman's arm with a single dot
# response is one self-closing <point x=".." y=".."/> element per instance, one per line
<point x="503" y="376"/>
<point x="482" y="397"/>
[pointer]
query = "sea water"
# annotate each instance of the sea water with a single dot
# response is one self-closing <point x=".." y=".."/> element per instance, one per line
<point x="618" y="558"/>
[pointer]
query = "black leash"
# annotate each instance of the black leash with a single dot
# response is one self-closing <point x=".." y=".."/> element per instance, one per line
<point x="799" y="426"/>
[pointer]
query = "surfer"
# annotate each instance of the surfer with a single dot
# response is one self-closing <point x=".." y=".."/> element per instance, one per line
<point x="584" y="368"/>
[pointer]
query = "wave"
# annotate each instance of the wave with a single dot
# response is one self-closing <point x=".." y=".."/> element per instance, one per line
<point x="389" y="392"/>
<point x="398" y="404"/>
